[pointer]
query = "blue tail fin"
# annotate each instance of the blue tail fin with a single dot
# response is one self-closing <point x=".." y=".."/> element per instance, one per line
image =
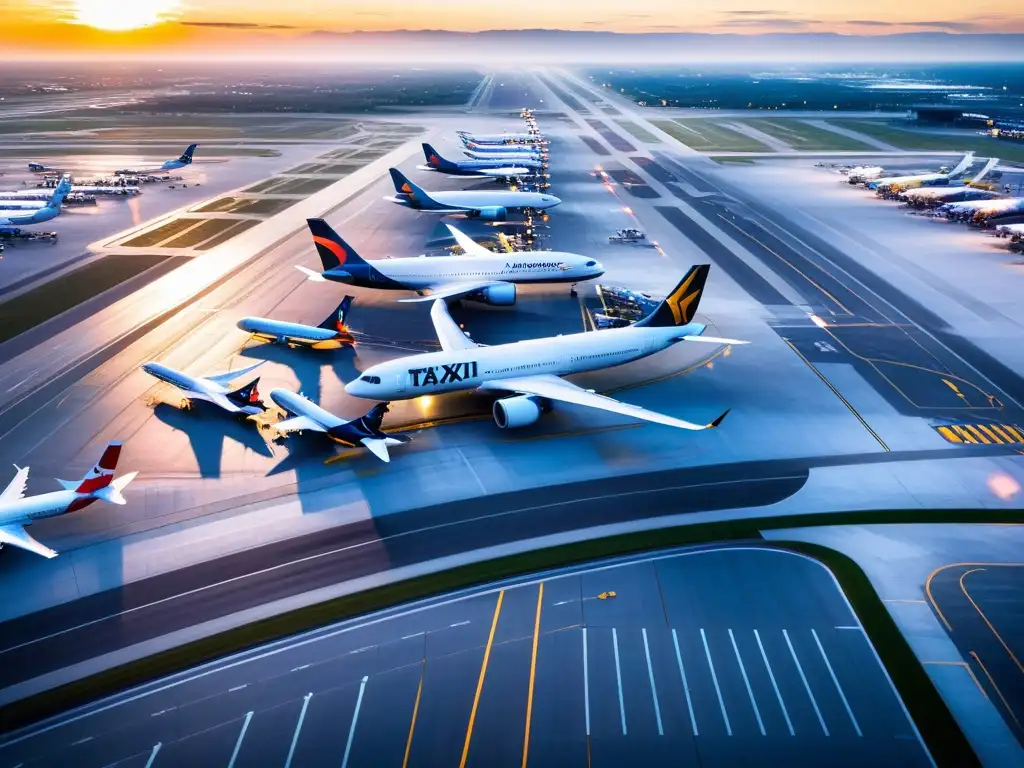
<point x="410" y="191"/>
<point x="334" y="252"/>
<point x="62" y="190"/>
<point x="336" y="320"/>
<point x="434" y="159"/>
<point x="186" y="156"/>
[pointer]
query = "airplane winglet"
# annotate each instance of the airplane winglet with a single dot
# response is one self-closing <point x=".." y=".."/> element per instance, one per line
<point x="311" y="274"/>
<point x="719" y="420"/>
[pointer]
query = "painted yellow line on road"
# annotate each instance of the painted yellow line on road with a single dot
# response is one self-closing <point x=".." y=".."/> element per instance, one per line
<point x="533" y="673"/>
<point x="415" y="712"/>
<point x="480" y="681"/>
<point x="996" y="688"/>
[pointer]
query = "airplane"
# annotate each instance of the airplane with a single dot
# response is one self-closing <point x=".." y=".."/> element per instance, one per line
<point x="40" y="168"/>
<point x="480" y="275"/>
<point x="330" y="334"/>
<point x="17" y="511"/>
<point x="528" y="373"/>
<point x="308" y="416"/>
<point x="498" y="169"/>
<point x="18" y="217"/>
<point x="496" y="138"/>
<point x="475" y="204"/>
<point x="925" y="197"/>
<point x="921" y="179"/>
<point x="478" y="152"/>
<point x="171" y="165"/>
<point x="213" y="389"/>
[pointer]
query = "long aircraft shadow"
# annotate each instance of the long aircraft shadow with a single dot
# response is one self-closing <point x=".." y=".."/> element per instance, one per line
<point x="206" y="426"/>
<point x="308" y="364"/>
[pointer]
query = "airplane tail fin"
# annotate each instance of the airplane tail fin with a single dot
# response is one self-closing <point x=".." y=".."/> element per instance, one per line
<point x="407" y="189"/>
<point x="375" y="416"/>
<point x="992" y="162"/>
<point x="336" y="320"/>
<point x="246" y="395"/>
<point x="186" y="156"/>
<point x="434" y="159"/>
<point x="112" y="493"/>
<point x="963" y="165"/>
<point x="102" y="473"/>
<point x="62" y="190"/>
<point x="334" y="252"/>
<point x="680" y="306"/>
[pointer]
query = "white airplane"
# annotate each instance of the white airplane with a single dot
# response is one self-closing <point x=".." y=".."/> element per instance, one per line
<point x="330" y="334"/>
<point x="213" y="389"/>
<point x="496" y="138"/>
<point x="489" y="205"/>
<point x="17" y="217"/>
<point x="505" y="153"/>
<point x="17" y="510"/>
<point x="921" y="179"/>
<point x="307" y="416"/>
<point x="480" y="275"/>
<point x="530" y="371"/>
<point x="171" y="165"/>
<point x="475" y="169"/>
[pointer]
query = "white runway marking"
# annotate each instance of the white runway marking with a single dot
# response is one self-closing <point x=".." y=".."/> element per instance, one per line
<point x="241" y="736"/>
<point x="618" y="679"/>
<point x="654" y="689"/>
<point x="686" y="686"/>
<point x="586" y="684"/>
<point x="835" y="680"/>
<point x="746" y="682"/>
<point x="152" y="755"/>
<point x="714" y="678"/>
<point x="807" y="686"/>
<point x="355" y="719"/>
<point x="771" y="676"/>
<point x="298" y="729"/>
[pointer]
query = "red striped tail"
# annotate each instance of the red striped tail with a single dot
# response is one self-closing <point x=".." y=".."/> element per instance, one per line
<point x="101" y="474"/>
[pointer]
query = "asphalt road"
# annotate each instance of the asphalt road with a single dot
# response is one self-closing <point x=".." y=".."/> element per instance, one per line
<point x="712" y="656"/>
<point x="981" y="605"/>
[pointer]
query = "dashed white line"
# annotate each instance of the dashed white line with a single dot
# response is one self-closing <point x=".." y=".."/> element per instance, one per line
<point x="163" y="711"/>
<point x="857" y="628"/>
<point x="355" y="719"/>
<point x="807" y="686"/>
<point x="714" y="679"/>
<point x="360" y="650"/>
<point x="771" y="676"/>
<point x="686" y="685"/>
<point x="82" y="741"/>
<point x="410" y="637"/>
<point x="304" y="666"/>
<point x="238" y="687"/>
<point x="654" y="689"/>
<point x="459" y="624"/>
<point x="835" y="680"/>
<point x="746" y="682"/>
<point x="618" y="679"/>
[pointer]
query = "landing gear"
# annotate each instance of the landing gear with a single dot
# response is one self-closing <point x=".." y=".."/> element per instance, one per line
<point x="572" y="291"/>
<point x="185" y="404"/>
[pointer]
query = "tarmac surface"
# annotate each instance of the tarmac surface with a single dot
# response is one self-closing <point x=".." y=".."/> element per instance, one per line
<point x="712" y="656"/>
<point x="868" y="385"/>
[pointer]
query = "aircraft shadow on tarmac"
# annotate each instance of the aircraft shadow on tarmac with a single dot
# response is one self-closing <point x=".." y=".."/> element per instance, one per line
<point x="308" y="364"/>
<point x="207" y="426"/>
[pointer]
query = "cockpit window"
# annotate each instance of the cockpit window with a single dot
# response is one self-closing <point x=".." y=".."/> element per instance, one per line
<point x="591" y="263"/>
<point x="370" y="379"/>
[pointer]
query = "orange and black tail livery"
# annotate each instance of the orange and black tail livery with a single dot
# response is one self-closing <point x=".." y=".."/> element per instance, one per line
<point x="680" y="306"/>
<point x="334" y="252"/>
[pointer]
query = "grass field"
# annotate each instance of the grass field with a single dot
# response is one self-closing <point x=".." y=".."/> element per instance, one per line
<point x="197" y="234"/>
<point x="299" y="186"/>
<point x="158" y="235"/>
<point x="802" y="136"/>
<point x="187" y="127"/>
<point x="907" y="138"/>
<point x="69" y="150"/>
<point x="730" y="160"/>
<point x="638" y="132"/>
<point x="238" y="228"/>
<point x="705" y="136"/>
<point x="50" y="299"/>
<point x="263" y="206"/>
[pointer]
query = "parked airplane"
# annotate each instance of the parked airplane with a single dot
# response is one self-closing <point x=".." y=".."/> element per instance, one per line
<point x="480" y="275"/>
<point x="530" y="370"/>
<point x="478" y="152"/>
<point x="476" y="204"/>
<point x="171" y="165"/>
<point x="330" y="334"/>
<point x="17" y="217"/>
<point x="928" y="197"/>
<point x="497" y="138"/>
<point x="498" y="169"/>
<point x="921" y="179"/>
<point x="308" y="416"/>
<point x="17" y="511"/>
<point x="213" y="389"/>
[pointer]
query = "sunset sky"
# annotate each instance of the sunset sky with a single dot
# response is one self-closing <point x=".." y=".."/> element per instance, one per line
<point x="111" y="26"/>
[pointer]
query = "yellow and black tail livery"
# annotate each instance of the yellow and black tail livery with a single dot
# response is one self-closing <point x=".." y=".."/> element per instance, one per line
<point x="680" y="306"/>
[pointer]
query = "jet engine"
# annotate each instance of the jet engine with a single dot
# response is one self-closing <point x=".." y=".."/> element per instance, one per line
<point x="503" y="295"/>
<point x="518" y="411"/>
<point x="492" y="213"/>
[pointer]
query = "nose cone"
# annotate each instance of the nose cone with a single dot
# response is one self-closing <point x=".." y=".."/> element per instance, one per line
<point x="597" y="270"/>
<point x="354" y="388"/>
<point x="245" y="324"/>
<point x="554" y="201"/>
<point x="280" y="397"/>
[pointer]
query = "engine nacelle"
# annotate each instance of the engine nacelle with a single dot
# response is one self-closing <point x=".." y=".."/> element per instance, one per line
<point x="503" y="295"/>
<point x="518" y="411"/>
<point x="492" y="213"/>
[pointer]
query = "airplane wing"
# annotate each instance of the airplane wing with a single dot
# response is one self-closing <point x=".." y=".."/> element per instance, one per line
<point x="16" y="536"/>
<point x="554" y="388"/>
<point x="298" y="424"/>
<point x="467" y="243"/>
<point x="227" y="378"/>
<point x="453" y="290"/>
<point x="16" y="488"/>
<point x="448" y="332"/>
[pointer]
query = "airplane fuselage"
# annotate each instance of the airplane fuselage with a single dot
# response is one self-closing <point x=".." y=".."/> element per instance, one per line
<point x="26" y="510"/>
<point x="196" y="389"/>
<point x="276" y="330"/>
<point x="450" y="371"/>
<point x="18" y="217"/>
<point x="477" y="199"/>
<point x="296" y="405"/>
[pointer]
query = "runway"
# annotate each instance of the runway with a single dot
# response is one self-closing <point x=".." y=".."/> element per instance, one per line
<point x="711" y="656"/>
<point x="979" y="604"/>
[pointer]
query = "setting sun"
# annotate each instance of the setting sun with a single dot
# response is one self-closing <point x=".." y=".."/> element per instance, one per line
<point x="104" y="14"/>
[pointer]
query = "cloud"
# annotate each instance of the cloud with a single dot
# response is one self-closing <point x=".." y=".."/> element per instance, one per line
<point x="779" y="22"/>
<point x="235" y="25"/>
<point x="944" y="26"/>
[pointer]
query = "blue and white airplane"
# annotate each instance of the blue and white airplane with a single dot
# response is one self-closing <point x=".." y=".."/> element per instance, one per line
<point x="494" y="169"/>
<point x="171" y="165"/>
<point x="307" y="416"/>
<point x="498" y="138"/>
<point x="19" y="217"/>
<point x="214" y="389"/>
<point x="475" y="204"/>
<point x="508" y="152"/>
<point x="330" y="334"/>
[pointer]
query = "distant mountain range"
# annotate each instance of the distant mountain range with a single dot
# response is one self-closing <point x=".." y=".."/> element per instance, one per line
<point x="544" y="45"/>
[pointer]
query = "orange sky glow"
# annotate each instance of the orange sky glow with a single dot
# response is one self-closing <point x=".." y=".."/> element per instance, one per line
<point x="69" y="28"/>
